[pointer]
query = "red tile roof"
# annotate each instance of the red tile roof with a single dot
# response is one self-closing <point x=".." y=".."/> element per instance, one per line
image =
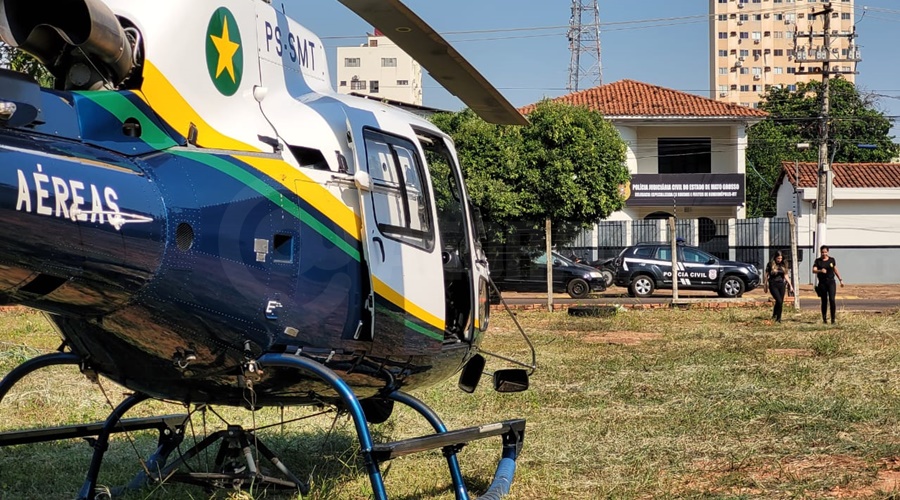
<point x="633" y="98"/>
<point x="846" y="175"/>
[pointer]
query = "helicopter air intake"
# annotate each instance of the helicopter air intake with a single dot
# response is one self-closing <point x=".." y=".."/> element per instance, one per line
<point x="81" y="41"/>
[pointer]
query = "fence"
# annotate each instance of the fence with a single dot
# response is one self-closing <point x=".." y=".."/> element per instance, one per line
<point x="745" y="240"/>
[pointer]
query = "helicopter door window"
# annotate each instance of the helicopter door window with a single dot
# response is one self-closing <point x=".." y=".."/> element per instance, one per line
<point x="401" y="205"/>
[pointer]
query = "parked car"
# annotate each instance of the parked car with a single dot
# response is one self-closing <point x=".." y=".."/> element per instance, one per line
<point x="646" y="267"/>
<point x="530" y="275"/>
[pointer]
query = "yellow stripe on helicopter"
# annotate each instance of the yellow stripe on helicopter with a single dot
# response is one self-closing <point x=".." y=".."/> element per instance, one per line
<point x="403" y="303"/>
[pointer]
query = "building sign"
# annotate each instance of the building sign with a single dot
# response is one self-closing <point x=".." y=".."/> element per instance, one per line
<point x="685" y="190"/>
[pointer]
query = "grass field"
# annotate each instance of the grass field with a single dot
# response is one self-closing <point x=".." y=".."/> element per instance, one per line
<point x="645" y="404"/>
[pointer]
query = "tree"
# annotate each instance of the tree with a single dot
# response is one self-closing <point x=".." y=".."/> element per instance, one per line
<point x="17" y="60"/>
<point x="567" y="164"/>
<point x="794" y="118"/>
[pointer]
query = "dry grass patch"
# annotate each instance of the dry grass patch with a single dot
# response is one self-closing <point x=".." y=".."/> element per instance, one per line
<point x="621" y="337"/>
<point x="643" y="404"/>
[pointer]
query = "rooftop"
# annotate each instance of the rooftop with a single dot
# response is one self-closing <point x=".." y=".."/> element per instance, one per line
<point x="846" y="175"/>
<point x="630" y="98"/>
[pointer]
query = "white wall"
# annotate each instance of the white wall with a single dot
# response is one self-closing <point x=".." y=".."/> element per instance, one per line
<point x="853" y="220"/>
<point x="729" y="144"/>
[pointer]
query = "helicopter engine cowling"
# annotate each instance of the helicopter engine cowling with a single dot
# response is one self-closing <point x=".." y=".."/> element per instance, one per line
<point x="73" y="39"/>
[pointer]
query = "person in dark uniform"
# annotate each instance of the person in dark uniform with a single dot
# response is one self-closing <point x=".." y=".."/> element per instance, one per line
<point x="776" y="280"/>
<point x="825" y="268"/>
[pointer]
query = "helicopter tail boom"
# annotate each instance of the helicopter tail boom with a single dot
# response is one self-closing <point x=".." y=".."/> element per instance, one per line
<point x="73" y="39"/>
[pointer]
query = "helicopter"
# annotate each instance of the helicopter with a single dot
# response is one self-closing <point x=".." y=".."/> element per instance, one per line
<point x="199" y="214"/>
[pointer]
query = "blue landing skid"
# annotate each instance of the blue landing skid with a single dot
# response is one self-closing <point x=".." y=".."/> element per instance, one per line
<point x="513" y="432"/>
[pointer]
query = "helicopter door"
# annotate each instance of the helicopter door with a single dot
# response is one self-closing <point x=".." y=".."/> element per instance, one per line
<point x="407" y="298"/>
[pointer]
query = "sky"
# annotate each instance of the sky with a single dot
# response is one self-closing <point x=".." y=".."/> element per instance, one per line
<point x="520" y="46"/>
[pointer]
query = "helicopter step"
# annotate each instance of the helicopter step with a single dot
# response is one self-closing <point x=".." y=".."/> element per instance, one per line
<point x="166" y="425"/>
<point x="512" y="431"/>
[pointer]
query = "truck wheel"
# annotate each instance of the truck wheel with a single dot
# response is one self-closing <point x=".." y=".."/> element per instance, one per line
<point x="578" y="288"/>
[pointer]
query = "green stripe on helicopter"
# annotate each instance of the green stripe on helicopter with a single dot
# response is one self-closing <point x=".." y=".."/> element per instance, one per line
<point x="123" y="109"/>
<point x="272" y="195"/>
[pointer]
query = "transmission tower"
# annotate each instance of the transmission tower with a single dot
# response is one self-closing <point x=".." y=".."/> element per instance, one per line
<point x="584" y="45"/>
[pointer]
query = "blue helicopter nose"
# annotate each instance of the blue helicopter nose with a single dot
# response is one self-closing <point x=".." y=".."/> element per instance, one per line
<point x="79" y="232"/>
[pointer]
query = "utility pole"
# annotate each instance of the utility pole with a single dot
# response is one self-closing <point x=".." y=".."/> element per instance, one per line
<point x="584" y="45"/>
<point x="824" y="165"/>
<point x="823" y="54"/>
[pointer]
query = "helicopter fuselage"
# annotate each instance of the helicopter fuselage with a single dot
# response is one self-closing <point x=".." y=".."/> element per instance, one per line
<point x="224" y="203"/>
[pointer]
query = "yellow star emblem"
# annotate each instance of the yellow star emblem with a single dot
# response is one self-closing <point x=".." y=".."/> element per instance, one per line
<point x="226" y="49"/>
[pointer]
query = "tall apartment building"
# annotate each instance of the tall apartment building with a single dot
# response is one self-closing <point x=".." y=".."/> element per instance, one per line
<point x="379" y="69"/>
<point x="752" y="45"/>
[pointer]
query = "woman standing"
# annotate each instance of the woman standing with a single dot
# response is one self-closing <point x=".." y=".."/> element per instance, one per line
<point x="776" y="279"/>
<point x="825" y="269"/>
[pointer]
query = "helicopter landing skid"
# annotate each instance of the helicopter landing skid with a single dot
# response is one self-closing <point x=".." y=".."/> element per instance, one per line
<point x="512" y="431"/>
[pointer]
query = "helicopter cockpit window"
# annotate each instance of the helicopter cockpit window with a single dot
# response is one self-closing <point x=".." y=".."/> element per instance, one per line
<point x="401" y="204"/>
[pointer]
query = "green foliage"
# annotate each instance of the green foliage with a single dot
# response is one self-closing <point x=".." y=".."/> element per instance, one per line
<point x="794" y="118"/>
<point x="17" y="60"/>
<point x="567" y="164"/>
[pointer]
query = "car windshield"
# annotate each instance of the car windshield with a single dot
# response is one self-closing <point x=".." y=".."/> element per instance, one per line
<point x="694" y="255"/>
<point x="558" y="260"/>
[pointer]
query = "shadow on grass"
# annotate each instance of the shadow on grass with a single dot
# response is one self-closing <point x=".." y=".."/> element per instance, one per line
<point x="329" y="461"/>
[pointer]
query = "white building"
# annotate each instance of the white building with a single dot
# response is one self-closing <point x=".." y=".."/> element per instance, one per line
<point x="863" y="223"/>
<point x="680" y="147"/>
<point x="379" y="69"/>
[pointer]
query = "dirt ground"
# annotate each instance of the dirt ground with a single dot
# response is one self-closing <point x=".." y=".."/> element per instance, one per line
<point x="848" y="292"/>
<point x="882" y="291"/>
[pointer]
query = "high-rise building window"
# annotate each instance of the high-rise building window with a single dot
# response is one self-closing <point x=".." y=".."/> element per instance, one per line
<point x="373" y="86"/>
<point x="723" y="53"/>
<point x="388" y="62"/>
<point x="402" y="83"/>
<point x="723" y="35"/>
<point x="351" y="62"/>
<point x="723" y="71"/>
<point x="357" y="85"/>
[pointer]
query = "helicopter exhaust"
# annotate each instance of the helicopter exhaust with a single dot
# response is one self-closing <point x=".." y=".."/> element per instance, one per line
<point x="73" y="39"/>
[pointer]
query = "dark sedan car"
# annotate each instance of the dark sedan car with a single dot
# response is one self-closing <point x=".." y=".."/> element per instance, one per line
<point x="530" y="275"/>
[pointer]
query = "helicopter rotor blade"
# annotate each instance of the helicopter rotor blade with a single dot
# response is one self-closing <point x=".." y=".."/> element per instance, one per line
<point x="412" y="34"/>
